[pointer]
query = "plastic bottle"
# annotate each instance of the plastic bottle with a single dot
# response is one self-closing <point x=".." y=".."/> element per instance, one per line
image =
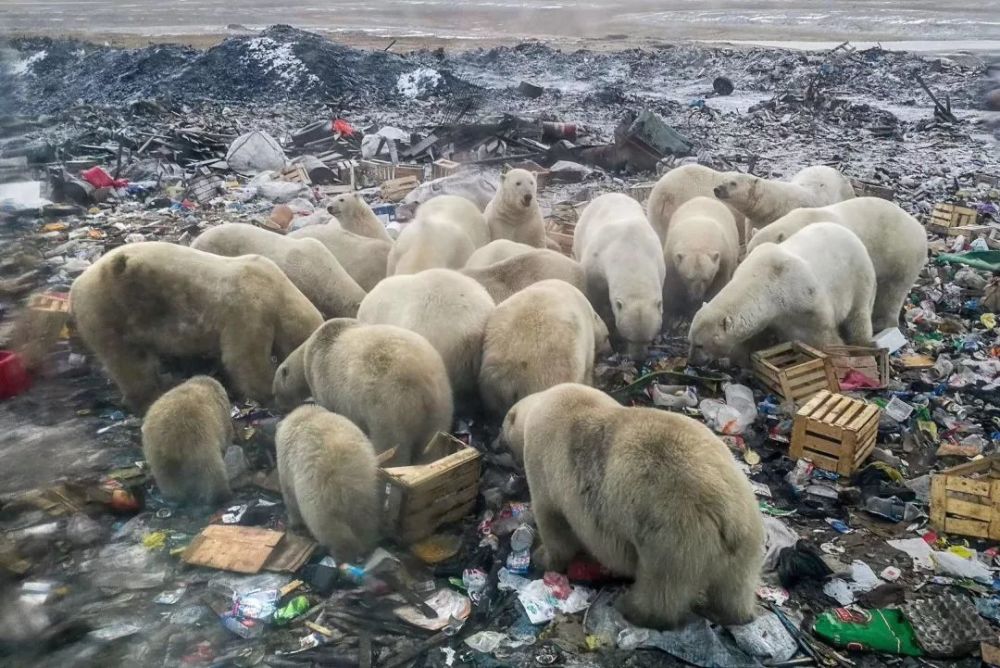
<point x="519" y="560"/>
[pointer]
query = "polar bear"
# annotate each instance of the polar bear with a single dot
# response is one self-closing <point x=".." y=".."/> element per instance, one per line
<point x="497" y="251"/>
<point x="544" y="335"/>
<point x="184" y="435"/>
<point x="513" y="213"/>
<point x="763" y="201"/>
<point x="817" y="287"/>
<point x="147" y="301"/>
<point x="623" y="261"/>
<point x="328" y="475"/>
<point x="505" y="278"/>
<point x="700" y="254"/>
<point x="387" y="380"/>
<point x="445" y="233"/>
<point x="364" y="258"/>
<point x="652" y="495"/>
<point x="306" y="262"/>
<point x="446" y="308"/>
<point x="895" y="240"/>
<point x="679" y="185"/>
<point x="354" y="215"/>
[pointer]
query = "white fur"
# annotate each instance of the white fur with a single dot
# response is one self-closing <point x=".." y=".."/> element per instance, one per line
<point x="513" y="212"/>
<point x="328" y="475"/>
<point x="623" y="262"/>
<point x="364" y="258"/>
<point x="700" y="253"/>
<point x="818" y="287"/>
<point x="497" y="251"/>
<point x="504" y="278"/>
<point x="763" y="201"/>
<point x="544" y="335"/>
<point x="895" y="240"/>
<point x="652" y="495"/>
<point x="679" y="185"/>
<point x="445" y="233"/>
<point x="354" y="215"/>
<point x="388" y="381"/>
<point x="446" y="308"/>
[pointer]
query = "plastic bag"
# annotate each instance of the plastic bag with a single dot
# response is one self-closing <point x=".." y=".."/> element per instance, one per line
<point x="255" y="152"/>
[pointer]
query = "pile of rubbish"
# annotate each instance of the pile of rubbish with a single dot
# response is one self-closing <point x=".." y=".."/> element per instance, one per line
<point x="890" y="558"/>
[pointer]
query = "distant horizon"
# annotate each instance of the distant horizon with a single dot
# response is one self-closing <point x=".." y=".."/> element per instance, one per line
<point x="917" y="22"/>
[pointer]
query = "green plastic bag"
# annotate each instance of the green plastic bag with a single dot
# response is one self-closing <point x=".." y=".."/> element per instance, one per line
<point x="988" y="260"/>
<point x="881" y="630"/>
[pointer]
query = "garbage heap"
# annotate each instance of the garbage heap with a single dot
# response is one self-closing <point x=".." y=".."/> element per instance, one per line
<point x="881" y="530"/>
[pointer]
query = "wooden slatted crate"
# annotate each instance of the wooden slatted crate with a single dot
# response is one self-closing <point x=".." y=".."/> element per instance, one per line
<point x="640" y="192"/>
<point x="444" y="167"/>
<point x="794" y="371"/>
<point x="965" y="499"/>
<point x="872" y="362"/>
<point x="835" y="432"/>
<point x="951" y="215"/>
<point x="417" y="499"/>
<point x="869" y="189"/>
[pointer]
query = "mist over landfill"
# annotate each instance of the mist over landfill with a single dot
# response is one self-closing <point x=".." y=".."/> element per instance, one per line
<point x="535" y="333"/>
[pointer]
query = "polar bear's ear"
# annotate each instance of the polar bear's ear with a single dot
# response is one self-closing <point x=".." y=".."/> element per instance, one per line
<point x="678" y="258"/>
<point x="727" y="323"/>
<point x="781" y="237"/>
<point x="714" y="256"/>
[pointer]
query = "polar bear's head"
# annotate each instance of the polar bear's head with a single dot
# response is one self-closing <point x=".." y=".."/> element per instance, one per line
<point x="290" y="387"/>
<point x="737" y="187"/>
<point x="518" y="188"/>
<point x="697" y="271"/>
<point x="638" y="318"/>
<point x="710" y="336"/>
<point x="512" y="431"/>
<point x="344" y="205"/>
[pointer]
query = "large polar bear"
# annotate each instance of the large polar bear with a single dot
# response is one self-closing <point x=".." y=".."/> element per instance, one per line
<point x="387" y="380"/>
<point x="364" y="258"/>
<point x="354" y="215"/>
<point x="306" y="262"/>
<point x="445" y="233"/>
<point x="700" y="254"/>
<point x="763" y="201"/>
<point x="513" y="213"/>
<point x="184" y="435"/>
<point x="652" y="495"/>
<point x="148" y="301"/>
<point x="446" y="308"/>
<point x="896" y="243"/>
<point x="544" y="335"/>
<point x="679" y="185"/>
<point x="497" y="251"/>
<point x="506" y="277"/>
<point x="817" y="287"/>
<point x="623" y="260"/>
<point x="328" y="475"/>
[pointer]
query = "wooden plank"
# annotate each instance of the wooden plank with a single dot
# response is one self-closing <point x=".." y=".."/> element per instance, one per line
<point x="852" y="411"/>
<point x="805" y="368"/>
<point x="967" y="527"/>
<point x="798" y="436"/>
<point x="966" y="509"/>
<point x="967" y="486"/>
<point x="808" y="409"/>
<point x="823" y="429"/>
<point x="411" y="533"/>
<point x="433" y="496"/>
<point x="826" y="445"/>
<point x="939" y="498"/>
<point x="971" y="467"/>
<point x="232" y="548"/>
<point x="869" y="415"/>
<point x="822" y="461"/>
<point x="862" y="453"/>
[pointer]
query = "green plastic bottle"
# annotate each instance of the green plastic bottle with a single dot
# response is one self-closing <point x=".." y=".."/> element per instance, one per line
<point x="291" y="610"/>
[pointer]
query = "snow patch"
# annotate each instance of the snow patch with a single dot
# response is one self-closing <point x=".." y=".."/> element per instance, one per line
<point x="20" y="67"/>
<point x="279" y="60"/>
<point x="418" y="82"/>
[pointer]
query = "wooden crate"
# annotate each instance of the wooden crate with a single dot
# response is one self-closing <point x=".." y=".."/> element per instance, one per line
<point x="640" y="192"/>
<point x="834" y="432"/>
<point x="562" y="234"/>
<point x="395" y="190"/>
<point x="970" y="232"/>
<point x="794" y="371"/>
<point x="444" y="167"/>
<point x="416" y="500"/>
<point x="991" y="180"/>
<point x="965" y="499"/>
<point x="951" y="215"/>
<point x="295" y="174"/>
<point x="380" y="171"/>
<point x="872" y="362"/>
<point x="869" y="189"/>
